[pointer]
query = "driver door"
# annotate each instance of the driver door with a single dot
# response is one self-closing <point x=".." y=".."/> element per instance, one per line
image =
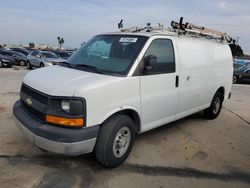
<point x="159" y="84"/>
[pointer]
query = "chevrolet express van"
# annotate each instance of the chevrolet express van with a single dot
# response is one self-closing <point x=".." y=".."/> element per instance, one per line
<point x="121" y="84"/>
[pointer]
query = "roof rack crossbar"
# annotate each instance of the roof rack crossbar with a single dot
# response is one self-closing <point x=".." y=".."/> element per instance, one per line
<point x="181" y="28"/>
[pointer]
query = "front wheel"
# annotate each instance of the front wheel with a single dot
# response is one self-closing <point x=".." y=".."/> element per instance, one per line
<point x="215" y="107"/>
<point x="1" y="64"/>
<point x="115" y="140"/>
<point x="235" y="79"/>
<point x="29" y="65"/>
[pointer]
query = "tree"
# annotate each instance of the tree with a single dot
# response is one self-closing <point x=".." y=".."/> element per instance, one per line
<point x="236" y="49"/>
<point x="60" y="42"/>
<point x="31" y="45"/>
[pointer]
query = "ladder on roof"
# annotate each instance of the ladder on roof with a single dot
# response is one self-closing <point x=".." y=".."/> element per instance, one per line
<point x="181" y="28"/>
<point x="200" y="30"/>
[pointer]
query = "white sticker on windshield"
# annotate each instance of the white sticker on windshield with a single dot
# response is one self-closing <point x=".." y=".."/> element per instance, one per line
<point x="127" y="39"/>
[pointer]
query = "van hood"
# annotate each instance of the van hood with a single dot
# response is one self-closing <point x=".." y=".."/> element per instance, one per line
<point x="63" y="81"/>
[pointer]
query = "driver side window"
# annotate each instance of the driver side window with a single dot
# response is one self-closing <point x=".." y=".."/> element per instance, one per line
<point x="163" y="52"/>
<point x="34" y="53"/>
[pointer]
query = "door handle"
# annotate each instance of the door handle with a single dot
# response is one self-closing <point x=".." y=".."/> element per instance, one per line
<point x="177" y="81"/>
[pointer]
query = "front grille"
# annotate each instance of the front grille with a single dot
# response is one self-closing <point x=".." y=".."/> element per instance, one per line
<point x="34" y="95"/>
<point x="34" y="113"/>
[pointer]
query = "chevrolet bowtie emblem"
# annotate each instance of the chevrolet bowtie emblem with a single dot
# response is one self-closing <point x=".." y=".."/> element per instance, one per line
<point x="29" y="101"/>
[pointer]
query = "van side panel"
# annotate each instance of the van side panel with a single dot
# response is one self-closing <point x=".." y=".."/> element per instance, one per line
<point x="205" y="66"/>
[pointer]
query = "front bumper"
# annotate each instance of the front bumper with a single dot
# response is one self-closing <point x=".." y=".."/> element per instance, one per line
<point x="8" y="64"/>
<point x="55" y="139"/>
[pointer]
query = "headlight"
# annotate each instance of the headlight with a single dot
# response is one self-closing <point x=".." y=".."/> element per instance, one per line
<point x="65" y="106"/>
<point x="5" y="60"/>
<point x="66" y="112"/>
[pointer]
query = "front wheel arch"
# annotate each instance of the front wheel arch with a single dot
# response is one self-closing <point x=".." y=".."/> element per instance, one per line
<point x="133" y="114"/>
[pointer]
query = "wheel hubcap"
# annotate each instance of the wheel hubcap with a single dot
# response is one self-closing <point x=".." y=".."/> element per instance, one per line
<point x="121" y="142"/>
<point x="234" y="79"/>
<point x="21" y="63"/>
<point x="216" y="105"/>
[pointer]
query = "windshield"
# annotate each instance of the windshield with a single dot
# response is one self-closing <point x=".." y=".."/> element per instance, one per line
<point x="109" y="53"/>
<point x="49" y="55"/>
<point x="18" y="54"/>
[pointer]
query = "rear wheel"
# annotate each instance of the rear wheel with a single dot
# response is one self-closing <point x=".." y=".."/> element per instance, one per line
<point x="235" y="79"/>
<point x="115" y="140"/>
<point x="214" y="110"/>
<point x="29" y="65"/>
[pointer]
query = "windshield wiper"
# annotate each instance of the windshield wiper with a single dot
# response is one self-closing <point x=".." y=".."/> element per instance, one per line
<point x="89" y="67"/>
<point x="65" y="63"/>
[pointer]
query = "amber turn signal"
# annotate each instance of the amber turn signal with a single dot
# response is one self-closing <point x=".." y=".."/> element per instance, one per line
<point x="70" y="122"/>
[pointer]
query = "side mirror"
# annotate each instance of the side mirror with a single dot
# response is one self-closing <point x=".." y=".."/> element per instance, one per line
<point x="148" y="62"/>
<point x="38" y="56"/>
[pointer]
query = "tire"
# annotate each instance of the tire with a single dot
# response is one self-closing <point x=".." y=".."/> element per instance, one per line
<point x="41" y="65"/>
<point x="235" y="79"/>
<point x="1" y="64"/>
<point x="29" y="65"/>
<point x="214" y="110"/>
<point x="106" y="149"/>
<point x="21" y="63"/>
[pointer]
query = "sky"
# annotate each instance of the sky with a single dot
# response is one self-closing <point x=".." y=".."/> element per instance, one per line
<point x="24" y="21"/>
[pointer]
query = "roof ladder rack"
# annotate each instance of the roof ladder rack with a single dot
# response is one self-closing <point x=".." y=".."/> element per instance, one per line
<point x="200" y="30"/>
<point x="181" y="28"/>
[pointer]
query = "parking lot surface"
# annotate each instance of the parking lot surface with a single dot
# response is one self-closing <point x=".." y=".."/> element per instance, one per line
<point x="192" y="152"/>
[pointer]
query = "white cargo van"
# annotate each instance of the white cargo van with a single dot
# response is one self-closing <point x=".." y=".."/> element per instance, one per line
<point x="120" y="84"/>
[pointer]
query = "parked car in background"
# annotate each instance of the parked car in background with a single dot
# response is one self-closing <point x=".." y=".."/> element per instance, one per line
<point x="237" y="65"/>
<point x="242" y="74"/>
<point x="30" y="49"/>
<point x="21" y="50"/>
<point x="20" y="59"/>
<point x="63" y="54"/>
<point x="6" y="61"/>
<point x="42" y="58"/>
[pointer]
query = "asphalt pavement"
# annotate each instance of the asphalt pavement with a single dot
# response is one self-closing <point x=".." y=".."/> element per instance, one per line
<point x="192" y="152"/>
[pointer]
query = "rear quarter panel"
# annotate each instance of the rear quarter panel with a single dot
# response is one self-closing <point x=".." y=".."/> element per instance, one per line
<point x="205" y="66"/>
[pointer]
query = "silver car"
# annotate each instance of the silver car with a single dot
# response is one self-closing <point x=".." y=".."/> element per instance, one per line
<point x="42" y="59"/>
